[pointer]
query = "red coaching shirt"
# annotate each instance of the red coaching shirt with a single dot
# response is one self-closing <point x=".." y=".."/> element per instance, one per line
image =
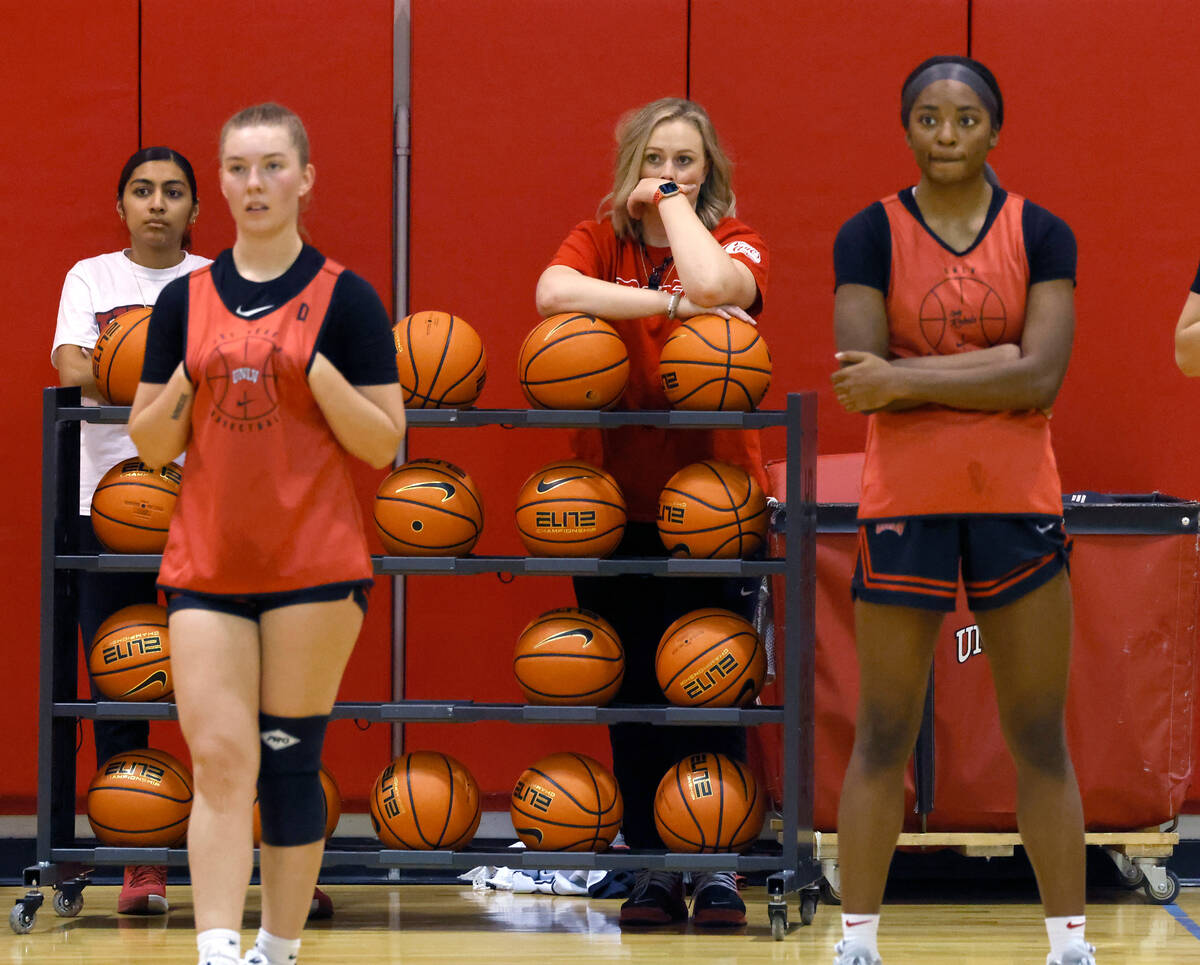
<point x="267" y="504"/>
<point x="935" y="460"/>
<point x="643" y="458"/>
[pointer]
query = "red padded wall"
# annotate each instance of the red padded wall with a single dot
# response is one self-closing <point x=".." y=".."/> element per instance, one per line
<point x="808" y="106"/>
<point x="69" y="75"/>
<point x="333" y="66"/>
<point x="512" y="144"/>
<point x="1082" y="86"/>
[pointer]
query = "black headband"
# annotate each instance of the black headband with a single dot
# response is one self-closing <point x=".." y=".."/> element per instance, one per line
<point x="952" y="70"/>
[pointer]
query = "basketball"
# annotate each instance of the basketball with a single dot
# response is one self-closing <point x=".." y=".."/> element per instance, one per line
<point x="567" y="802"/>
<point x="712" y="510"/>
<point x="140" y="799"/>
<point x="129" y="657"/>
<point x="118" y="356"/>
<point x="333" y="807"/>
<point x="710" y="658"/>
<point x="441" y="360"/>
<point x="708" y="803"/>
<point x="573" y="361"/>
<point x="428" y="507"/>
<point x="570" y="509"/>
<point x="715" y="363"/>
<point x="132" y="506"/>
<point x="569" y="656"/>
<point x="424" y="801"/>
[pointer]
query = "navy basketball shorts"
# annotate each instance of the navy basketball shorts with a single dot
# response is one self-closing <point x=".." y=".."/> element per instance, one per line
<point x="915" y="562"/>
<point x="253" y="605"/>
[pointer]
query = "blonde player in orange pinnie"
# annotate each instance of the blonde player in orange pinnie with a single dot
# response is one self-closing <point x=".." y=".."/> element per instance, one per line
<point x="954" y="317"/>
<point x="666" y="246"/>
<point x="271" y="368"/>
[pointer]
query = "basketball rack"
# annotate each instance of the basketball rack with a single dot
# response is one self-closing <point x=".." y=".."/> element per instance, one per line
<point x="792" y="867"/>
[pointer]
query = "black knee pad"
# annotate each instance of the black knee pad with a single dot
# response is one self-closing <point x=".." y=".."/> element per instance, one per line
<point x="291" y="803"/>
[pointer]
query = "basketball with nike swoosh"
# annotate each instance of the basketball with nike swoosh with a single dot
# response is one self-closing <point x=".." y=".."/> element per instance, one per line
<point x="133" y="505"/>
<point x="567" y="802"/>
<point x="710" y="658"/>
<point x="130" y="655"/>
<point x="441" y="360"/>
<point x="573" y="361"/>
<point x="569" y="656"/>
<point x="570" y="508"/>
<point x="140" y="799"/>
<point x="118" y="356"/>
<point x="428" y="507"/>
<point x="712" y="510"/>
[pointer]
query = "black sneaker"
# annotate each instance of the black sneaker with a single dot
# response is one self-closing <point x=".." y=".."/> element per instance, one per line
<point x="657" y="899"/>
<point x="715" y="899"/>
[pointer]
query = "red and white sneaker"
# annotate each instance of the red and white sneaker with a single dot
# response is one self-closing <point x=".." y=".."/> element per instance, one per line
<point x="321" y="907"/>
<point x="144" y="891"/>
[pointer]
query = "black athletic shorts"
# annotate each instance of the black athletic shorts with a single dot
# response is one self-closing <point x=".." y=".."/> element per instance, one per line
<point x="915" y="561"/>
<point x="253" y="605"/>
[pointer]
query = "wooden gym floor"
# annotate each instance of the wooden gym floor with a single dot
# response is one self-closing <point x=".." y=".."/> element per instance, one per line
<point x="424" y="924"/>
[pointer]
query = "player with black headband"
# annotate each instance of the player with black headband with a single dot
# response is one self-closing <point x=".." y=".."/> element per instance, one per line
<point x="954" y="317"/>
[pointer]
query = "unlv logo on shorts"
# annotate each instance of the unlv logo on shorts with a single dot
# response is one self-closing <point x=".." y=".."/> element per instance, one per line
<point x="962" y="311"/>
<point x="240" y="373"/>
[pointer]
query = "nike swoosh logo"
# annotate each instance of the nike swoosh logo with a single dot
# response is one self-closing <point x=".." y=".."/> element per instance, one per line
<point x="1044" y="529"/>
<point x="545" y="485"/>
<point x="158" y="677"/>
<point x="445" y="487"/>
<point x="1076" y="924"/>
<point x="855" y="924"/>
<point x="587" y="635"/>
<point x="745" y="592"/>
<point x="253" y="311"/>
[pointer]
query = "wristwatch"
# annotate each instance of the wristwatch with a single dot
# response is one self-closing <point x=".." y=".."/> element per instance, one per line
<point x="665" y="190"/>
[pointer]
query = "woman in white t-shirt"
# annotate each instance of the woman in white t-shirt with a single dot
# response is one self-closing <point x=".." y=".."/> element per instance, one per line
<point x="156" y="198"/>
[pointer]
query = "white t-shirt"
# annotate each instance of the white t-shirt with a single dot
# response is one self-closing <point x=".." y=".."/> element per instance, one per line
<point x="97" y="290"/>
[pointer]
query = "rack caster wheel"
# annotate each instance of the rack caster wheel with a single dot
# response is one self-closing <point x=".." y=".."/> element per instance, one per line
<point x="24" y="913"/>
<point x="808" y="907"/>
<point x="68" y="901"/>
<point x="777" y="913"/>
<point x="1162" y="889"/>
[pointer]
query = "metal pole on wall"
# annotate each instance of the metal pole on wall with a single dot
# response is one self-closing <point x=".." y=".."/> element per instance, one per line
<point x="401" y="48"/>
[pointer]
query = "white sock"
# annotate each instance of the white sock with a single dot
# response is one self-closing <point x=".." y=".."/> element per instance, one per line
<point x="279" y="951"/>
<point x="1063" y="931"/>
<point x="218" y="944"/>
<point x="863" y="929"/>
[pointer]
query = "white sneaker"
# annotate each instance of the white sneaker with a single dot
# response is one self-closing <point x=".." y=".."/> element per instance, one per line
<point x="1079" y="953"/>
<point x="847" y="952"/>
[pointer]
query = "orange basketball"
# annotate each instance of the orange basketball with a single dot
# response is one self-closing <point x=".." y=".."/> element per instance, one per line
<point x="428" y="507"/>
<point x="573" y="361"/>
<point x="132" y="506"/>
<point x="708" y="803"/>
<point x="424" y="801"/>
<point x="333" y="807"/>
<point x="715" y="363"/>
<point x="129" y="657"/>
<point x="710" y="658"/>
<point x="140" y="799"/>
<point x="441" y="360"/>
<point x="567" y="802"/>
<point x="118" y="356"/>
<point x="711" y="509"/>
<point x="570" y="509"/>
<point x="569" y="656"/>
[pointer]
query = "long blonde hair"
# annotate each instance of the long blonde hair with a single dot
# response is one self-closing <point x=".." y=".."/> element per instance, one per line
<point x="716" y="199"/>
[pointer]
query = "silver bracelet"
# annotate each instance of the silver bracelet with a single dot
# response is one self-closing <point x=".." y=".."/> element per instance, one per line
<point x="673" y="304"/>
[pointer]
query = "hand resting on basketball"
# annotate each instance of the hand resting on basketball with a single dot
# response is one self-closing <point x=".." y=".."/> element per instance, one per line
<point x="689" y="309"/>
